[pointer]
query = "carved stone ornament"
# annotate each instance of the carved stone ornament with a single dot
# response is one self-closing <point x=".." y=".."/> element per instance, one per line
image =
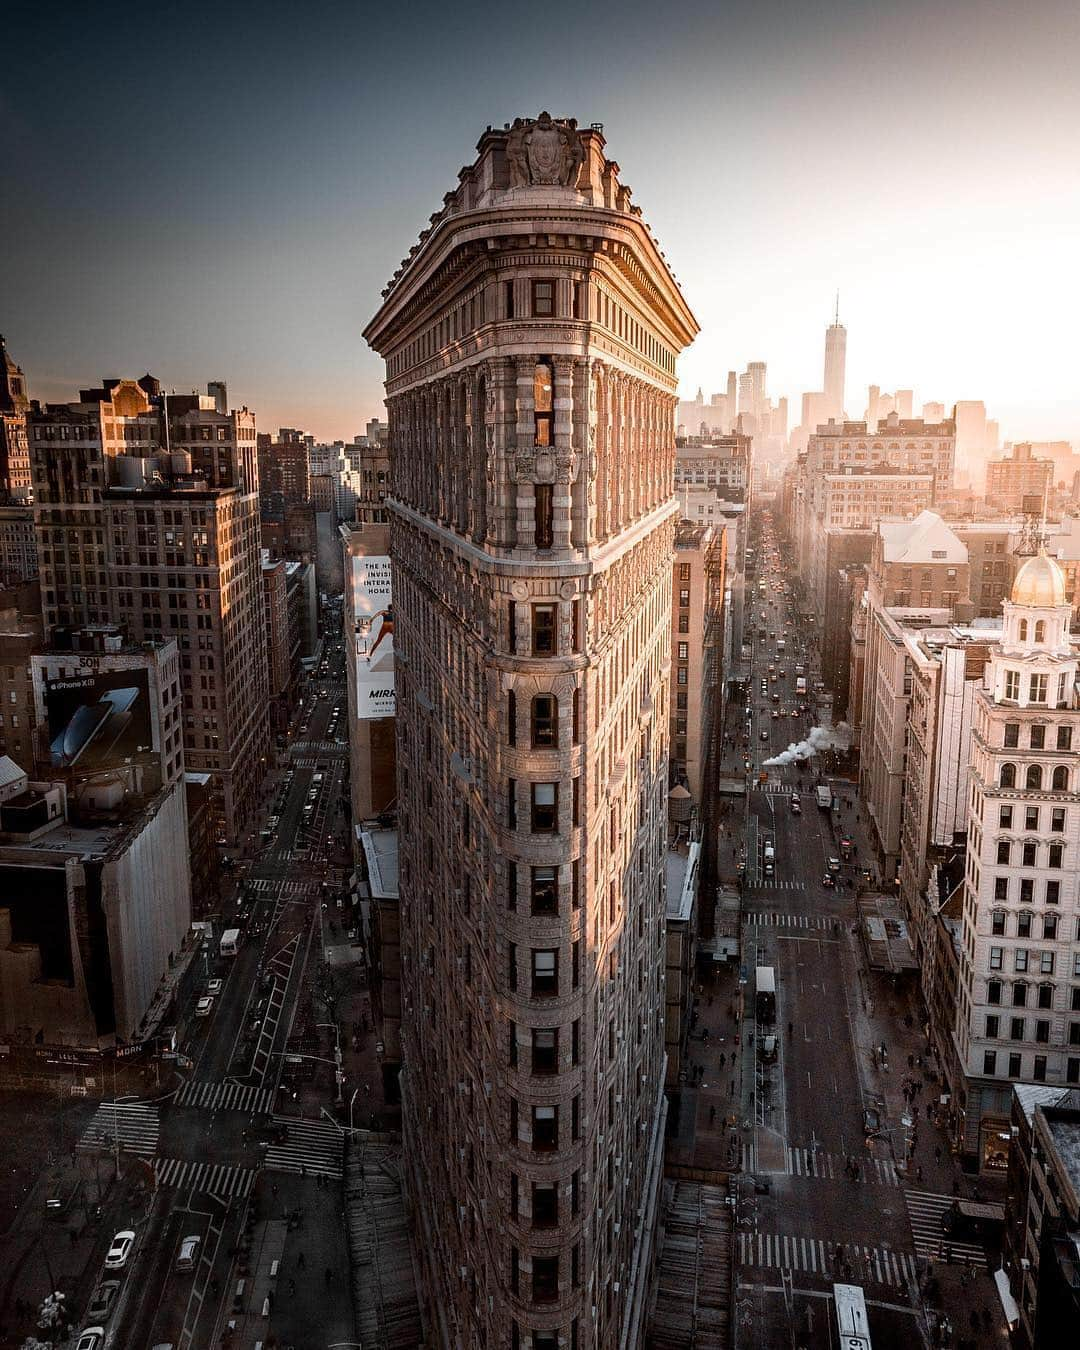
<point x="568" y="590"/>
<point x="520" y="590"/>
<point x="544" y="152"/>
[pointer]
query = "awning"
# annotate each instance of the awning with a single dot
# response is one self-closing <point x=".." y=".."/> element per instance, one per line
<point x="1008" y="1303"/>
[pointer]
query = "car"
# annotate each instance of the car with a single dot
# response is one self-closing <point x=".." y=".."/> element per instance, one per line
<point x="204" y="1007"/>
<point x="214" y="987"/>
<point x="828" y="881"/>
<point x="764" y="733"/>
<point x="189" y="1251"/>
<point x="796" y="806"/>
<point x="273" y="822"/>
<point x="92" y="1338"/>
<point x="102" y="1300"/>
<point x="120" y="1250"/>
<point x="776" y="714"/>
<point x="871" y="1119"/>
<point x="834" y="864"/>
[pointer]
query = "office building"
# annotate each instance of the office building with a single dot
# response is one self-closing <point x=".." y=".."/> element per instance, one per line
<point x="531" y="340"/>
<point x="698" y="581"/>
<point x="369" y="669"/>
<point x="15" y="483"/>
<point x="94" y="879"/>
<point x="1013" y="483"/>
<point x="835" y="359"/>
<point x="1020" y="954"/>
<point x="1041" y="1264"/>
<point x="917" y="576"/>
<point x="147" y="516"/>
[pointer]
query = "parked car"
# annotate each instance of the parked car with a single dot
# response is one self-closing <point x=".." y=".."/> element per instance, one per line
<point x="214" y="987"/>
<point x="93" y="1338"/>
<point x="120" y="1250"/>
<point x="828" y="881"/>
<point x="204" y="1007"/>
<point x="871" y="1118"/>
<point x="102" y="1300"/>
<point x="796" y="806"/>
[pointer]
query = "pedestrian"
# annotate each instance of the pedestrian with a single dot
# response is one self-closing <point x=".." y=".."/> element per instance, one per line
<point x="723" y="1059"/>
<point x="300" y="1261"/>
<point x="918" y="1174"/>
<point x="712" y="1114"/>
<point x="937" y="1153"/>
<point x="329" y="1277"/>
<point x="292" y="1288"/>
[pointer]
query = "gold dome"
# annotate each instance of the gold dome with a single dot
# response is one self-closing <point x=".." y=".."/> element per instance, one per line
<point x="1039" y="583"/>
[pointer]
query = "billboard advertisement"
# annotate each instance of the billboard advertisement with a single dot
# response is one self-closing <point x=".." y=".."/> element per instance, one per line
<point x="373" y="624"/>
<point x="98" y="719"/>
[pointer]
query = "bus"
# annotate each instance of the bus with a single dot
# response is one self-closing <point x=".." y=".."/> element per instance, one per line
<point x="851" y="1317"/>
<point x="230" y="942"/>
<point x="765" y="988"/>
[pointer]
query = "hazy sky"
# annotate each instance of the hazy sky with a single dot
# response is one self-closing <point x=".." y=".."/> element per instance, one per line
<point x="221" y="191"/>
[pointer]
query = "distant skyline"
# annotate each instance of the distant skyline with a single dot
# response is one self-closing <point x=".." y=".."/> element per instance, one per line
<point x="223" y="192"/>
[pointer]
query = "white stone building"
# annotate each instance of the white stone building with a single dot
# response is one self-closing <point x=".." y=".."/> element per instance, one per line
<point x="1018" y="1012"/>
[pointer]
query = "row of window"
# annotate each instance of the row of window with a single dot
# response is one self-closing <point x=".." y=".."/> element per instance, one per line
<point x="1023" y="959"/>
<point x="544" y="806"/>
<point x="544" y="969"/>
<point x="1036" y="736"/>
<point x="1045" y="998"/>
<point x="1032" y="818"/>
<point x="1029" y="854"/>
<point x="544" y="1060"/>
<point x="1018" y="1029"/>
<point x="1034" y="777"/>
<point x="1038" y="1067"/>
<point x="1051" y="891"/>
<point x="1037" y="687"/>
<point x="1024" y="924"/>
<point x="544" y="629"/>
<point x="543" y="720"/>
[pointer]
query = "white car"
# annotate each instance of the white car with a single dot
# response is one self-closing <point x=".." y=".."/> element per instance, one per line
<point x="204" y="1007"/>
<point x="189" y="1250"/>
<point x="118" y="1253"/>
<point x="214" y="987"/>
<point x="93" y="1338"/>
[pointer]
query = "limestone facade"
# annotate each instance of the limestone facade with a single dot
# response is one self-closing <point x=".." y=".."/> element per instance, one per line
<point x="530" y="341"/>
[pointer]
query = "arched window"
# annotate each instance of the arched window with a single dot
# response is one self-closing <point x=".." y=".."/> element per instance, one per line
<point x="1023" y="630"/>
<point x="1008" y="775"/>
<point x="1060" y="781"/>
<point x="545" y="721"/>
<point x="1034" y="776"/>
<point x="1040" y="630"/>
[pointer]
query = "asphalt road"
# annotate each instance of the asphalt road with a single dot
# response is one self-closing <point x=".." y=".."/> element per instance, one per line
<point x="207" y="1140"/>
<point x="805" y="1110"/>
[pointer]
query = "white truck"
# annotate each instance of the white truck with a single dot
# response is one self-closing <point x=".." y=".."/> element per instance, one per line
<point x="824" y="796"/>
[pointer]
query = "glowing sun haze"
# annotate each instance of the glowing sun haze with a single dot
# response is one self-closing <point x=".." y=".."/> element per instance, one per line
<point x="222" y="193"/>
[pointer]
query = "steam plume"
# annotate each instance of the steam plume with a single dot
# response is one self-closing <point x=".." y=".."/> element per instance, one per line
<point x="820" y="738"/>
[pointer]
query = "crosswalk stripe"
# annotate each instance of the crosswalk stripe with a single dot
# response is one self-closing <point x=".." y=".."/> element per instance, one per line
<point x="218" y="1179"/>
<point x="134" y="1124"/>
<point x="878" y="1265"/>
<point x="925" y="1212"/>
<point x="214" y="1096"/>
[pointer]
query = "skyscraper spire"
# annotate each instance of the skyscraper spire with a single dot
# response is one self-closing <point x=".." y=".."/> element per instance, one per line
<point x="836" y="317"/>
